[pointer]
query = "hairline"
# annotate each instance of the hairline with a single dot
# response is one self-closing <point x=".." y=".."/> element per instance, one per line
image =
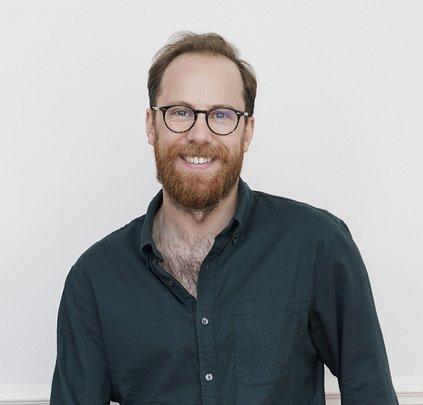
<point x="211" y="54"/>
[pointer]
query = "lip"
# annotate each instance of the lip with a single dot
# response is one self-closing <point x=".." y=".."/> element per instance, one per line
<point x="196" y="167"/>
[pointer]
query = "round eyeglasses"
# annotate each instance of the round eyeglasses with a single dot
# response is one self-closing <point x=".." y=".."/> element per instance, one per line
<point x="221" y="121"/>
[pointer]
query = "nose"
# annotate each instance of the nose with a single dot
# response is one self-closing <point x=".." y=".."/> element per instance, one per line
<point x="200" y="132"/>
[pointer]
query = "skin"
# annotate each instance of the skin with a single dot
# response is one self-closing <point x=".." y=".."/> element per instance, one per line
<point x="202" y="82"/>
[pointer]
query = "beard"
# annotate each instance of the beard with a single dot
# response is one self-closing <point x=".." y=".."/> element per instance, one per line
<point x="200" y="191"/>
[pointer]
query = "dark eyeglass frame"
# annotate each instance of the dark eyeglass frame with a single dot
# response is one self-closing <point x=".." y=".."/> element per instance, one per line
<point x="163" y="109"/>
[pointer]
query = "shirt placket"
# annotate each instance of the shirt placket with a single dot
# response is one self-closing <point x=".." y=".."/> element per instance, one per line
<point x="205" y="333"/>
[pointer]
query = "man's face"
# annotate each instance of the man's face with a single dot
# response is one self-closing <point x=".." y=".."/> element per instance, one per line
<point x="199" y="168"/>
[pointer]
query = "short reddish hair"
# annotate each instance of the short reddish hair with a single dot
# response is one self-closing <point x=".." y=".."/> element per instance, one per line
<point x="210" y="43"/>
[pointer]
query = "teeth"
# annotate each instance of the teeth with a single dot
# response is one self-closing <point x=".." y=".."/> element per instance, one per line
<point x="197" y="160"/>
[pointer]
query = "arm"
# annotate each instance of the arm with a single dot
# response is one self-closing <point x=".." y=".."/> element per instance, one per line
<point x="81" y="375"/>
<point x="344" y="326"/>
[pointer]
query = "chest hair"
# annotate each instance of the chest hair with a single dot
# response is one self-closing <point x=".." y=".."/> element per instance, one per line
<point x="183" y="258"/>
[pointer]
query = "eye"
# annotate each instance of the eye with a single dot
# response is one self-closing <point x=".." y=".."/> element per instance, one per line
<point x="179" y="112"/>
<point x="223" y="115"/>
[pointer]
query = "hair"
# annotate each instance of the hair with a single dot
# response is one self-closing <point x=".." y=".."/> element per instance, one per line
<point x="209" y="43"/>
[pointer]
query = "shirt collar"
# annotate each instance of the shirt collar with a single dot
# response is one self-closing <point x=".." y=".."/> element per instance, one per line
<point x="238" y="222"/>
<point x="146" y="238"/>
<point x="243" y="206"/>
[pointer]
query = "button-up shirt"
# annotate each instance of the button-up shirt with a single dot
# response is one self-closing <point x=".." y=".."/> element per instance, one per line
<point x="282" y="292"/>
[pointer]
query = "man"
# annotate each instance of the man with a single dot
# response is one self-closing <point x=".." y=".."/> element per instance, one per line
<point x="218" y="295"/>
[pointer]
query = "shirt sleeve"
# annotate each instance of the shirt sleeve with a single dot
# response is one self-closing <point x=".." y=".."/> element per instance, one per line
<point x="345" y="328"/>
<point x="81" y="374"/>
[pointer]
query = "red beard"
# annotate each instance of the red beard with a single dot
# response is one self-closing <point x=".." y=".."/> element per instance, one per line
<point x="198" y="191"/>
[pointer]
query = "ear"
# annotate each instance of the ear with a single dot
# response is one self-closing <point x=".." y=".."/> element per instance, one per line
<point x="248" y="133"/>
<point x="149" y="126"/>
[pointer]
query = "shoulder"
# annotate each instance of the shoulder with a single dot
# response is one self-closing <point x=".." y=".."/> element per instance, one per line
<point x="120" y="245"/>
<point x="294" y="217"/>
<point x="298" y="224"/>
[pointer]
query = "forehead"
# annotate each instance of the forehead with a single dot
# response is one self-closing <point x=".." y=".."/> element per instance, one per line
<point x="203" y="81"/>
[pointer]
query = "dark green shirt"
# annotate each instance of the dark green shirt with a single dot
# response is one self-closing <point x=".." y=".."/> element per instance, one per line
<point x="282" y="292"/>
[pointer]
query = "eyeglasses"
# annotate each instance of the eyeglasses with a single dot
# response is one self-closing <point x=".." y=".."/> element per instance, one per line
<point x="221" y="121"/>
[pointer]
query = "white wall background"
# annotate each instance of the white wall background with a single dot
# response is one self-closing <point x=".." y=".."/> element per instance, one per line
<point x="339" y="124"/>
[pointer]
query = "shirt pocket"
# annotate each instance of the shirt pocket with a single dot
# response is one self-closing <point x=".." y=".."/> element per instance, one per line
<point x="264" y="339"/>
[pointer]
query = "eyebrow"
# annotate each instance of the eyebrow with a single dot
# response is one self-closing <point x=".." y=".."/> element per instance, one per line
<point x="212" y="107"/>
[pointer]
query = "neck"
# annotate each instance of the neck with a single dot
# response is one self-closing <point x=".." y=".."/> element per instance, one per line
<point x="174" y="221"/>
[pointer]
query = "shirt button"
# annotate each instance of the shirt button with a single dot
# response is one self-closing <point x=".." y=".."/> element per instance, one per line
<point x="170" y="282"/>
<point x="204" y="321"/>
<point x="209" y="376"/>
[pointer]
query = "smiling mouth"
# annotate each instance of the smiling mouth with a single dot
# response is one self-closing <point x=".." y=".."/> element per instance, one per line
<point x="197" y="160"/>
